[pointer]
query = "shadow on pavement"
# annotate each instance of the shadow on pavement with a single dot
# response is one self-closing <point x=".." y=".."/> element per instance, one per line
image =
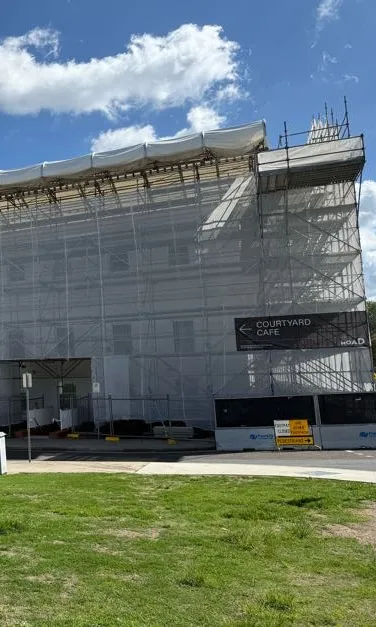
<point x="77" y="456"/>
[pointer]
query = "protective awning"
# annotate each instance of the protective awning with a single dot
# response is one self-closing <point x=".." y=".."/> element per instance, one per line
<point x="229" y="142"/>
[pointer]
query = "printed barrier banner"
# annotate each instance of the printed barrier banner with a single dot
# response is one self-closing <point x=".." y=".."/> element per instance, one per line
<point x="327" y="330"/>
<point x="349" y="436"/>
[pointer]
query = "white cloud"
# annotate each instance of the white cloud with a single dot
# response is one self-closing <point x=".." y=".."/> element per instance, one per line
<point x="199" y="118"/>
<point x="327" y="11"/>
<point x="204" y="118"/>
<point x="350" y="77"/>
<point x="325" y="66"/>
<point x="37" y="38"/>
<point x="328" y="59"/>
<point x="230" y="92"/>
<point x="123" y="137"/>
<point x="186" y="65"/>
<point x="367" y="222"/>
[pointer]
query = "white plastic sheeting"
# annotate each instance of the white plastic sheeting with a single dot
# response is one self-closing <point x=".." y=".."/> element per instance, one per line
<point x="311" y="155"/>
<point x="224" y="212"/>
<point x="68" y="418"/>
<point x="146" y="282"/>
<point x="40" y="417"/>
<point x="219" y="143"/>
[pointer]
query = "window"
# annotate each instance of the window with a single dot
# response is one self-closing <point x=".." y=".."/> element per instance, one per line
<point x="178" y="255"/>
<point x="119" y="261"/>
<point x="122" y="338"/>
<point x="16" y="272"/>
<point x="16" y="344"/>
<point x="184" y="341"/>
<point x="65" y="341"/>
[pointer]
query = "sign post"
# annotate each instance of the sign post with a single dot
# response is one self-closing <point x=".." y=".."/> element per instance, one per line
<point x="27" y="384"/>
<point x="96" y="388"/>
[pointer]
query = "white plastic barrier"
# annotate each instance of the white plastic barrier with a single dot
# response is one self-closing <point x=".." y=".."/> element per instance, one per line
<point x="41" y="417"/>
<point x="3" y="454"/>
<point x="339" y="437"/>
<point x="68" y="418"/>
<point x="349" y="436"/>
<point x="258" y="439"/>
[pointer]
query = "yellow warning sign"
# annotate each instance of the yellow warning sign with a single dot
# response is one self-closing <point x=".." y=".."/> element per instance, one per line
<point x="299" y="427"/>
<point x="295" y="440"/>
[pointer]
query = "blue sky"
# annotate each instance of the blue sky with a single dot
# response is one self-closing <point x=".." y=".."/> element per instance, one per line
<point x="82" y="75"/>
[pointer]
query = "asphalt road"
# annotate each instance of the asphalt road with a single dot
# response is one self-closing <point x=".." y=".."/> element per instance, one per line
<point x="351" y="460"/>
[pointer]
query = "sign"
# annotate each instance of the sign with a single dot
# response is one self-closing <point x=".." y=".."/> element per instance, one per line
<point x="282" y="427"/>
<point x="291" y="427"/>
<point x="27" y="380"/>
<point x="328" y="330"/>
<point x="299" y="427"/>
<point x="295" y="432"/>
<point x="295" y="440"/>
<point x="96" y="388"/>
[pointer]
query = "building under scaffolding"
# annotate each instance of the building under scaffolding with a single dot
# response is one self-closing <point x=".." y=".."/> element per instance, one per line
<point x="149" y="273"/>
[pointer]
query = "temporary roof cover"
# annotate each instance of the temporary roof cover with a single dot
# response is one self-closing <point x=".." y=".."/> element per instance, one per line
<point x="229" y="142"/>
<point x="335" y="152"/>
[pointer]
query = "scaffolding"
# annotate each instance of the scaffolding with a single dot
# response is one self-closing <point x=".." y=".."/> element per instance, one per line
<point x="141" y="265"/>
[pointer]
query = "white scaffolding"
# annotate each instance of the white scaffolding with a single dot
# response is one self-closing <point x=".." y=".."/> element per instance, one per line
<point x="152" y="255"/>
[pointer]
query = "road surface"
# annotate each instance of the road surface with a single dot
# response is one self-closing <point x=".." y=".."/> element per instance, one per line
<point x="364" y="460"/>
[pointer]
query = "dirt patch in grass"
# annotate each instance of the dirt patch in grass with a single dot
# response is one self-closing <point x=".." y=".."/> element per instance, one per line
<point x="148" y="534"/>
<point x="9" y="553"/>
<point x="24" y="553"/>
<point x="99" y="548"/>
<point x="305" y="580"/>
<point x="131" y="577"/>
<point x="363" y="532"/>
<point x="45" y="578"/>
<point x="66" y="585"/>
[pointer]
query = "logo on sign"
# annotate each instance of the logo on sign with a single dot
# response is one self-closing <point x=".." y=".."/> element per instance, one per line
<point x="358" y="342"/>
<point x="261" y="436"/>
<point x="292" y="332"/>
<point x="367" y="434"/>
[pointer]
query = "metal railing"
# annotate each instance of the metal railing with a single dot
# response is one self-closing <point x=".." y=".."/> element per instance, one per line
<point x="136" y="417"/>
<point x="13" y="411"/>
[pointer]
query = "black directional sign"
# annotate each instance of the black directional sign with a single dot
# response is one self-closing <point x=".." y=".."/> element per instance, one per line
<point x="327" y="330"/>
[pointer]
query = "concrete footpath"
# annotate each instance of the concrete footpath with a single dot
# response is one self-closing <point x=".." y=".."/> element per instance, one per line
<point x="190" y="468"/>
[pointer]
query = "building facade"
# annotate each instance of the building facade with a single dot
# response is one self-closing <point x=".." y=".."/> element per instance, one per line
<point x="130" y="272"/>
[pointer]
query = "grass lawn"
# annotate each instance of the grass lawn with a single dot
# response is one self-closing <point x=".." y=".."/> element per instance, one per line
<point x="106" y="550"/>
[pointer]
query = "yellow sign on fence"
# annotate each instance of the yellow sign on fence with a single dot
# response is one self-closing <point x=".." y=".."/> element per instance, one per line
<point x="303" y="440"/>
<point x="299" y="427"/>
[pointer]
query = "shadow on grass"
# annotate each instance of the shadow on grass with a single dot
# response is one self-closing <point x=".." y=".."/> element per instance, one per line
<point x="8" y="526"/>
<point x="304" y="501"/>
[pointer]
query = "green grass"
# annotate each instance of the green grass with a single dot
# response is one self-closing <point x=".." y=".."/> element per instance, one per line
<point x="105" y="550"/>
